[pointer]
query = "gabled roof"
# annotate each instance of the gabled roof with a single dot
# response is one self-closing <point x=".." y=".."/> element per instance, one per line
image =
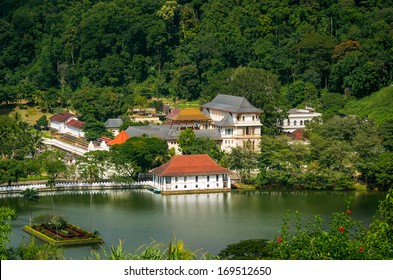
<point x="233" y="104"/>
<point x="75" y="123"/>
<point x="227" y="121"/>
<point x="187" y="165"/>
<point x="115" y="123"/>
<point x="62" y="117"/>
<point x="119" y="139"/>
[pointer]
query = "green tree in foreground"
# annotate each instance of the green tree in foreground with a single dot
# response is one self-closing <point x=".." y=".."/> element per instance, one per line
<point x="6" y="215"/>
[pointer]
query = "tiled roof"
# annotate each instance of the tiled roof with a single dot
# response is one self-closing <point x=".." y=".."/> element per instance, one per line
<point x="75" y="123"/>
<point x="168" y="132"/>
<point x="233" y="104"/>
<point x="188" y="115"/>
<point x="227" y="121"/>
<point x="119" y="139"/>
<point x="173" y="113"/>
<point x="186" y="165"/>
<point x="62" y="117"/>
<point x="115" y="123"/>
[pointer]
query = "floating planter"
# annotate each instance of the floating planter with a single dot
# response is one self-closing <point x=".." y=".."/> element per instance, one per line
<point x="67" y="235"/>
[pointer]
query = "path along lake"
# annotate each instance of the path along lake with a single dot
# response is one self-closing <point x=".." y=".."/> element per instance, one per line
<point x="203" y="221"/>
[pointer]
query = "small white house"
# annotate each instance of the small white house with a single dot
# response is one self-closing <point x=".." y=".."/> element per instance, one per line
<point x="191" y="173"/>
<point x="58" y="121"/>
<point x="298" y="118"/>
<point x="67" y="123"/>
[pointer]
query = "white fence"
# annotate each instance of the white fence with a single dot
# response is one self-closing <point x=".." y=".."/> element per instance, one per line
<point x="74" y="185"/>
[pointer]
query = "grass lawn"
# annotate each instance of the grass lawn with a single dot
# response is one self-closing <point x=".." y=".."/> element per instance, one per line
<point x="29" y="113"/>
<point x="377" y="106"/>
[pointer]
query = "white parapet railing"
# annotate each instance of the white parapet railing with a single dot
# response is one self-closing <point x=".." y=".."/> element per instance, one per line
<point x="73" y="185"/>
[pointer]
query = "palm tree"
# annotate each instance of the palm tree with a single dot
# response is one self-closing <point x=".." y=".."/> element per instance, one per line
<point x="30" y="195"/>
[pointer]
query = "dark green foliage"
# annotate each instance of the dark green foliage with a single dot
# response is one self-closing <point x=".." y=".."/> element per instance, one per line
<point x="253" y="249"/>
<point x="178" y="48"/>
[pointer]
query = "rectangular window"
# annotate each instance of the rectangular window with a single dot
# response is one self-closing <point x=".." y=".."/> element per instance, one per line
<point x="167" y="179"/>
<point x="185" y="178"/>
<point x="217" y="178"/>
<point x="176" y="179"/>
<point x="208" y="178"/>
<point x="196" y="178"/>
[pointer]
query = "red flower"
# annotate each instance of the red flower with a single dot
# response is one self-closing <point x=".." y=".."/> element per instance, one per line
<point x="342" y="229"/>
<point x="279" y="239"/>
<point x="361" y="249"/>
<point x="349" y="212"/>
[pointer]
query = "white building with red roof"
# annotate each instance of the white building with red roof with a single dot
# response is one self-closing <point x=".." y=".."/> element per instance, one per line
<point x="191" y="173"/>
<point x="67" y="123"/>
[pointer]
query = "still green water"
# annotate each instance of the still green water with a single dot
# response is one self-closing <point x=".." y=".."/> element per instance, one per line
<point x="203" y="221"/>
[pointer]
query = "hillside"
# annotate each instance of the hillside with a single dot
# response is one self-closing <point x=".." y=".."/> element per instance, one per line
<point x="377" y="106"/>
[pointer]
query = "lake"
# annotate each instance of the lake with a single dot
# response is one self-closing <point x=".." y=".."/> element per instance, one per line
<point x="203" y="221"/>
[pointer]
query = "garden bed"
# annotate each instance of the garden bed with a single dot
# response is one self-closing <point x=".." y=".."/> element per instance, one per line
<point x="70" y="235"/>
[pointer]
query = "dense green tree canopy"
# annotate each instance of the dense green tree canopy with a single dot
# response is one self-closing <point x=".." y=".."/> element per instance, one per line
<point x="48" y="48"/>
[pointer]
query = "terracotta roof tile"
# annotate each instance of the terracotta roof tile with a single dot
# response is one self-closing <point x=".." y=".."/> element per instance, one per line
<point x="186" y="165"/>
<point x="119" y="139"/>
<point x="75" y="123"/>
<point x="62" y="117"/>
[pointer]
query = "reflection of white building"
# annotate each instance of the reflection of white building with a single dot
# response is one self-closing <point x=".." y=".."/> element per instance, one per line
<point x="191" y="173"/>
<point x="237" y="120"/>
<point x="298" y="118"/>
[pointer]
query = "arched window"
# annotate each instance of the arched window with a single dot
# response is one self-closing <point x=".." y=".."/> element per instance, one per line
<point x="294" y="123"/>
<point x="301" y="122"/>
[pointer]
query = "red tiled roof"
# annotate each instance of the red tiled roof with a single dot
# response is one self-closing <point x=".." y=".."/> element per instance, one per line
<point x="62" y="117"/>
<point x="173" y="113"/>
<point x="105" y="139"/>
<point x="120" y="138"/>
<point x="297" y="135"/>
<point x="190" y="165"/>
<point x="75" y="123"/>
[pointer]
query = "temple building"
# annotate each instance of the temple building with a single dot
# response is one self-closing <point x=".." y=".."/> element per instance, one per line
<point x="191" y="173"/>
<point x="237" y="120"/>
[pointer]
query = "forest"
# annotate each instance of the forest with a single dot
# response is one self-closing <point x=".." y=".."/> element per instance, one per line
<point x="101" y="58"/>
<point x="58" y="53"/>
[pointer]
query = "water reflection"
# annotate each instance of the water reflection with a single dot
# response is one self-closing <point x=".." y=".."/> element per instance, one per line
<point x="203" y="221"/>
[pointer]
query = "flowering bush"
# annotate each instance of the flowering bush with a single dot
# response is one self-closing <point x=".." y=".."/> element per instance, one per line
<point x="312" y="242"/>
<point x="346" y="238"/>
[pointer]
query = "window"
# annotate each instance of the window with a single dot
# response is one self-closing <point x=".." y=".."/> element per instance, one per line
<point x="294" y="123"/>
<point x="185" y="178"/>
<point x="196" y="186"/>
<point x="185" y="186"/>
<point x="301" y="122"/>
<point x="196" y="178"/>
<point x="167" y="179"/>
<point x="244" y="118"/>
<point x="288" y="122"/>
<point x="176" y="187"/>
<point x="253" y="118"/>
<point x="208" y="185"/>
<point x="217" y="178"/>
<point x="208" y="178"/>
<point x="176" y="179"/>
<point x="228" y="131"/>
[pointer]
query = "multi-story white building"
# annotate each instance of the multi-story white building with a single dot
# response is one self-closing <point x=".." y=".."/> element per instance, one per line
<point x="237" y="120"/>
<point x="298" y="118"/>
